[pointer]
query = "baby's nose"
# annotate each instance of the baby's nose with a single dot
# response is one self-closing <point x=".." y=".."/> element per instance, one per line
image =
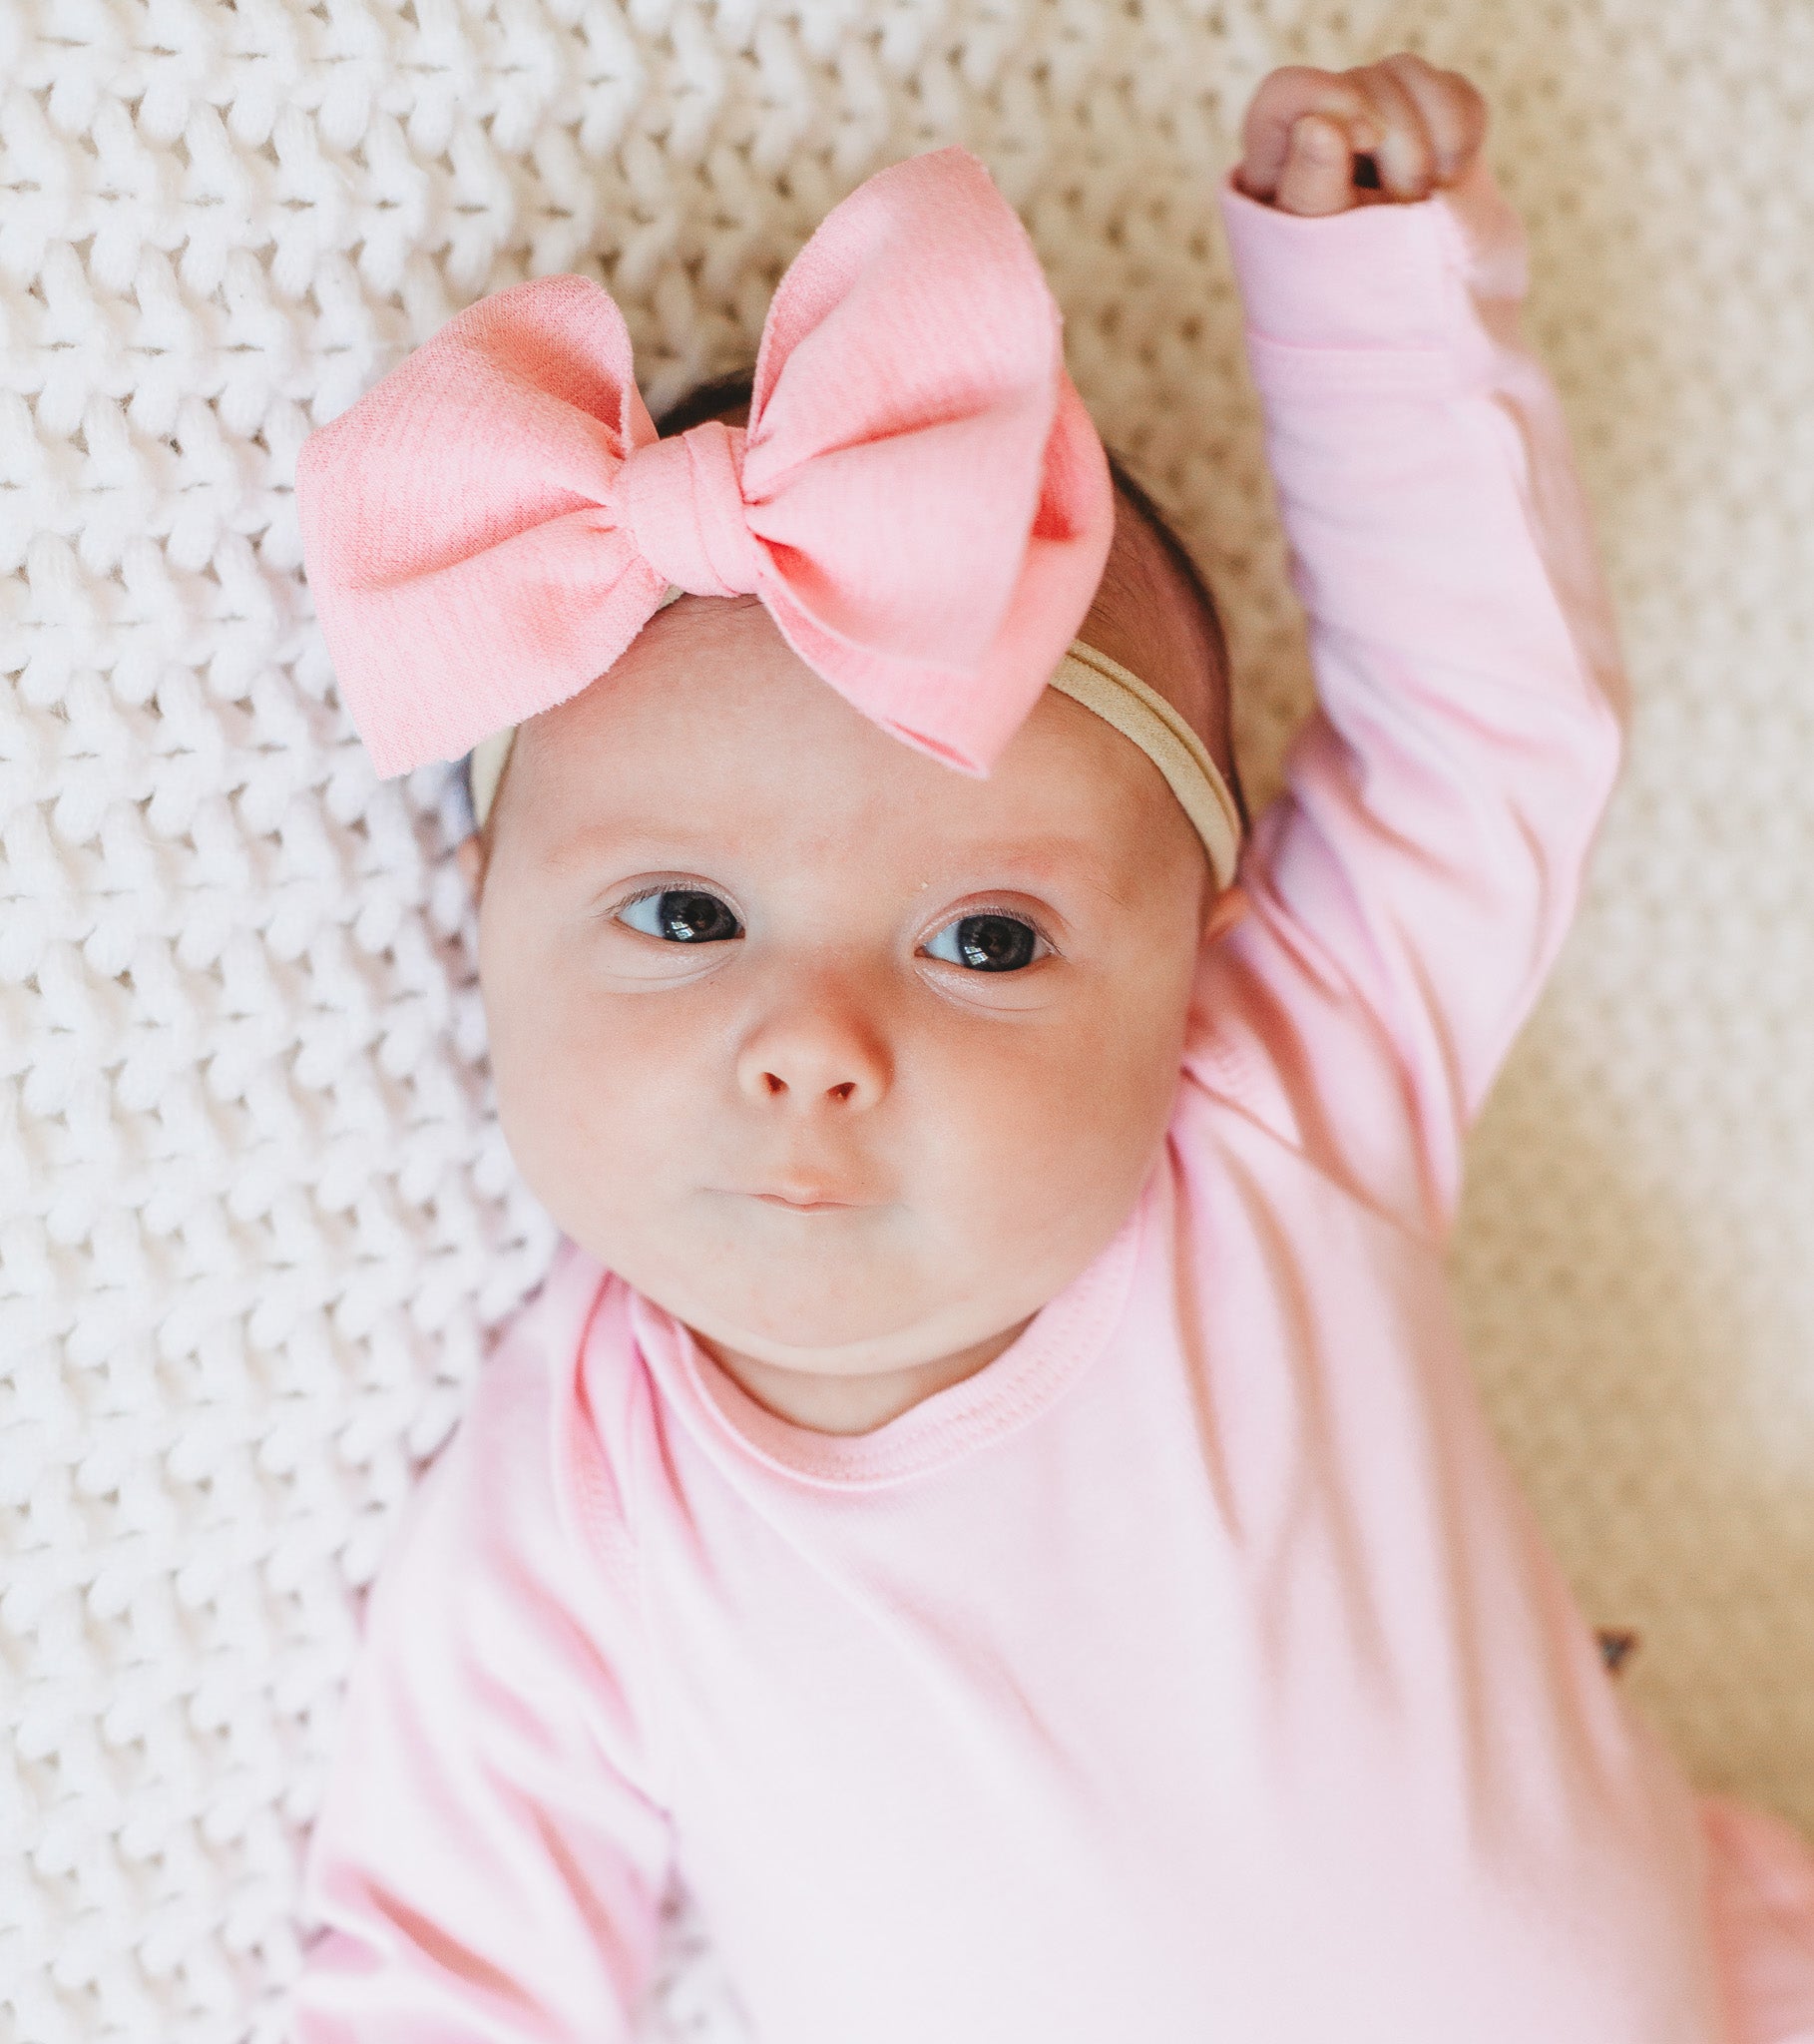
<point x="817" y="1052"/>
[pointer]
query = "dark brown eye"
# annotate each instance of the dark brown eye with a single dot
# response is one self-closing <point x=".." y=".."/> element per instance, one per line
<point x="987" y="943"/>
<point x="682" y="916"/>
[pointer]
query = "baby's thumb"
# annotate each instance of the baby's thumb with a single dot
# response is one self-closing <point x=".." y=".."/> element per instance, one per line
<point x="1319" y="167"/>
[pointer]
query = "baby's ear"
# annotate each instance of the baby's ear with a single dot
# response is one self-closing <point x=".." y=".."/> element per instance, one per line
<point x="470" y="857"/>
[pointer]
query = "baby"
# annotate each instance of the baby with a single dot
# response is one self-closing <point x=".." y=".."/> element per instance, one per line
<point x="990" y="1494"/>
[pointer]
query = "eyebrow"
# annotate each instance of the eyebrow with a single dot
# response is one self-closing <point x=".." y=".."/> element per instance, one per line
<point x="584" y="846"/>
<point x="1036" y="860"/>
<point x="1043" y="859"/>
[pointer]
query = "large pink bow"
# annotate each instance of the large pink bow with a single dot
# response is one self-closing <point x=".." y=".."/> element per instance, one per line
<point x="920" y="499"/>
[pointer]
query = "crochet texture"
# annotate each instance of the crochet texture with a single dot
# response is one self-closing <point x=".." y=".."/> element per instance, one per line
<point x="257" y="1224"/>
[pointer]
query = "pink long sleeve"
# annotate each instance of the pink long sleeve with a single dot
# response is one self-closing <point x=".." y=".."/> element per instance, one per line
<point x="490" y="1862"/>
<point x="1413" y="882"/>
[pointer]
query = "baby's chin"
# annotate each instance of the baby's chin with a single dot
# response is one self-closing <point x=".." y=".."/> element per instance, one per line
<point x="833" y="1306"/>
<point x="797" y="1329"/>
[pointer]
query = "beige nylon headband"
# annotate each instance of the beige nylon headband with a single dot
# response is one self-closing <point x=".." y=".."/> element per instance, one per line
<point x="1099" y="684"/>
<point x="1143" y="714"/>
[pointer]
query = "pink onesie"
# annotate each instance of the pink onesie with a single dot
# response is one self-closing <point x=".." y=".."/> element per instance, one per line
<point x="1195" y="1674"/>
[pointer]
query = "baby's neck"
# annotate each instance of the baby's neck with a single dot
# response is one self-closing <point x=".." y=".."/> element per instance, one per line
<point x="850" y="1404"/>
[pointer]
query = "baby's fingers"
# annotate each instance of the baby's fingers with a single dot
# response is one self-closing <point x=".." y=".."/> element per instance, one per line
<point x="1278" y="110"/>
<point x="1318" y="172"/>
<point x="1418" y="127"/>
<point x="1406" y="154"/>
<point x="1453" y="114"/>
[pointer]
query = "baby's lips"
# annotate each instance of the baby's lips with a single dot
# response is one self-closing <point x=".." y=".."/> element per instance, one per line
<point x="807" y="1194"/>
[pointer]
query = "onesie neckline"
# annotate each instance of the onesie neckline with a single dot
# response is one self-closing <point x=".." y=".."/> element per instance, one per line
<point x="1058" y="1343"/>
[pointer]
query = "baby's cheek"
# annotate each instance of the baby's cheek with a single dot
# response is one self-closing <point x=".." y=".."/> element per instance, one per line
<point x="1044" y="1143"/>
<point x="585" y="1098"/>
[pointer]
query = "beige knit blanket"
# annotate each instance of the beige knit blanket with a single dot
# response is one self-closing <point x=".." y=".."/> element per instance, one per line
<point x="255" y="1221"/>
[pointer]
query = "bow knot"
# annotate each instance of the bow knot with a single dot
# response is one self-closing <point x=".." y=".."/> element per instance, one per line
<point x="682" y="502"/>
<point x="919" y="499"/>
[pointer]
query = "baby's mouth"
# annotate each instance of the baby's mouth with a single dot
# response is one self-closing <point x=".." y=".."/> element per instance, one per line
<point x="806" y="1185"/>
<point x="804" y="1190"/>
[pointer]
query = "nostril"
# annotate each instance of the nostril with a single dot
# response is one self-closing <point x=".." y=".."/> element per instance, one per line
<point x="774" y="1084"/>
<point x="844" y="1091"/>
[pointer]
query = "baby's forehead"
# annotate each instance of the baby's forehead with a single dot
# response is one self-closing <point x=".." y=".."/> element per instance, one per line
<point x="690" y="716"/>
<point x="711" y="735"/>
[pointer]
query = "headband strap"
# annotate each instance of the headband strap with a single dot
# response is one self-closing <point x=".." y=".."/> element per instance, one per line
<point x="485" y="768"/>
<point x="1122" y="699"/>
<point x="1087" y="676"/>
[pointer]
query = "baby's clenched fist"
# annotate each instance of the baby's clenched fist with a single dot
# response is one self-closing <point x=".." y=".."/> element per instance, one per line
<point x="1318" y="142"/>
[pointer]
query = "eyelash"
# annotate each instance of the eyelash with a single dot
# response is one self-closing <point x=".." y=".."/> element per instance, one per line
<point x="1012" y="913"/>
<point x="661" y="887"/>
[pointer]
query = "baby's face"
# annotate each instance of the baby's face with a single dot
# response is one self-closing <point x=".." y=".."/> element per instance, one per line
<point x="848" y="1060"/>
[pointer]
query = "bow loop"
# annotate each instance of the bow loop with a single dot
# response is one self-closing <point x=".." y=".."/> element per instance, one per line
<point x="682" y="502"/>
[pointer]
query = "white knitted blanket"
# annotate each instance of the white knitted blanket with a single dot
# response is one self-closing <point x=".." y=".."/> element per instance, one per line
<point x="255" y="1220"/>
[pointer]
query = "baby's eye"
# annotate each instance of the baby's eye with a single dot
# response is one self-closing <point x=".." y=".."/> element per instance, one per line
<point x="988" y="943"/>
<point x="684" y="916"/>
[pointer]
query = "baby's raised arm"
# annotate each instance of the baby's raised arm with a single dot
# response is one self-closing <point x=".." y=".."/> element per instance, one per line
<point x="1414" y="881"/>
